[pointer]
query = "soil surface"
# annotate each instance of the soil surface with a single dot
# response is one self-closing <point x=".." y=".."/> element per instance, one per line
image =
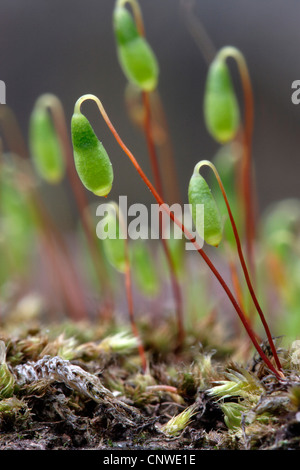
<point x="73" y="388"/>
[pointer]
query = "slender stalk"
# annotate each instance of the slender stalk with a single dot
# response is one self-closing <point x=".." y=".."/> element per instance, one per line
<point x="157" y="177"/>
<point x="151" y="143"/>
<point x="241" y="257"/>
<point x="24" y="182"/>
<point x="158" y="184"/>
<point x="247" y="183"/>
<point x="186" y="232"/>
<point x="73" y="294"/>
<point x="128" y="286"/>
<point x="54" y="105"/>
<point x="198" y="32"/>
<point x="54" y="248"/>
<point x="161" y="136"/>
<point x="171" y="184"/>
<point x="235" y="281"/>
<point x="167" y="154"/>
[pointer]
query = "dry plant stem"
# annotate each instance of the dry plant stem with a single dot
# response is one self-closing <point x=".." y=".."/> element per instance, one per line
<point x="162" y="388"/>
<point x="158" y="184"/>
<point x="247" y="131"/>
<point x="128" y="286"/>
<point x="186" y="232"/>
<point x="54" y="105"/>
<point x="242" y="259"/>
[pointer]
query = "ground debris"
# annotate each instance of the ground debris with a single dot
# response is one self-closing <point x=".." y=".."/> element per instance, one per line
<point x="101" y="400"/>
<point x="74" y="377"/>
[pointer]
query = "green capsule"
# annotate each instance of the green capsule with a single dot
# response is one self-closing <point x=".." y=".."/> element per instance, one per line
<point x="91" y="160"/>
<point x="45" y="147"/>
<point x="221" y="110"/>
<point x="114" y="244"/>
<point x="200" y="197"/>
<point x="136" y="57"/>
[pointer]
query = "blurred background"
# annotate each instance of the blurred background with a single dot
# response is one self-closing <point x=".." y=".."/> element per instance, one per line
<point x="67" y="47"/>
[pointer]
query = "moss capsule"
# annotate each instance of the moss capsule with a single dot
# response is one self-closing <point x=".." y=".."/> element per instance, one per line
<point x="221" y="110"/>
<point x="91" y="160"/>
<point x="200" y="196"/>
<point x="136" y="57"/>
<point x="45" y="147"/>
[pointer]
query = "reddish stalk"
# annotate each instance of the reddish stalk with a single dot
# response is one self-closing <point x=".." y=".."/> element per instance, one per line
<point x="54" y="105"/>
<point x="61" y="279"/>
<point x="242" y="259"/>
<point x="236" y="283"/>
<point x="161" y="136"/>
<point x="167" y="158"/>
<point x="72" y="293"/>
<point x="46" y="227"/>
<point x="128" y="286"/>
<point x="158" y="184"/>
<point x="157" y="178"/>
<point x="186" y="232"/>
<point x="151" y="143"/>
<point x="246" y="168"/>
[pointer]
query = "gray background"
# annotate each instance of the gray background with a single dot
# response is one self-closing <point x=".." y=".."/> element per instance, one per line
<point x="66" y="47"/>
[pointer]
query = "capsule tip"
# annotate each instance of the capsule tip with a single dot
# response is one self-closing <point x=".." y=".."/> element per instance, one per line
<point x="103" y="191"/>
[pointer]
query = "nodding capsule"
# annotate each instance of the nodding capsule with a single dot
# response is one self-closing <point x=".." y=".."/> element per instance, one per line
<point x="201" y="199"/>
<point x="221" y="110"/>
<point x="92" y="162"/>
<point x="136" y="57"/>
<point x="45" y="147"/>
